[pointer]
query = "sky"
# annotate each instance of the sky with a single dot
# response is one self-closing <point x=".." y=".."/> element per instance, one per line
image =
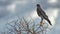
<point x="12" y="9"/>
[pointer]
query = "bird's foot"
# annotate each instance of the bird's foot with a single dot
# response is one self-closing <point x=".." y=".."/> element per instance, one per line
<point x="41" y="23"/>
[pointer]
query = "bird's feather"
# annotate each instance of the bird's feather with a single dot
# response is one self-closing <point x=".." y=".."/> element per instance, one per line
<point x="42" y="14"/>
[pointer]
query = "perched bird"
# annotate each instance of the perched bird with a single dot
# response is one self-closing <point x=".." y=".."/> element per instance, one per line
<point x="42" y="14"/>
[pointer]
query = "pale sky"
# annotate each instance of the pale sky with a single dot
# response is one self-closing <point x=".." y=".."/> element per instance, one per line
<point x="10" y="9"/>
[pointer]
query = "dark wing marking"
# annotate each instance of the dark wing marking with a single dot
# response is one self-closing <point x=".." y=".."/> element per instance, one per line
<point x="43" y="13"/>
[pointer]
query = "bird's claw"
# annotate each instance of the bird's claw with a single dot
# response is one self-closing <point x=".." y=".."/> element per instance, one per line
<point x="41" y="23"/>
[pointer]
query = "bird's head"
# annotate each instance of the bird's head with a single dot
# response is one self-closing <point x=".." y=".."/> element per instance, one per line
<point x="38" y="5"/>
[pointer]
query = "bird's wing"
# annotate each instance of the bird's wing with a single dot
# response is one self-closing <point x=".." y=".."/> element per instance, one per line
<point x="43" y="13"/>
<point x="45" y="16"/>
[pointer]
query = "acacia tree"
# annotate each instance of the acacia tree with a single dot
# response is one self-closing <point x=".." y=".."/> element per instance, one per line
<point x="24" y="26"/>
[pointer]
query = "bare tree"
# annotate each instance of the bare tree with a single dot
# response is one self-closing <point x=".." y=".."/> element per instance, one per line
<point x="24" y="26"/>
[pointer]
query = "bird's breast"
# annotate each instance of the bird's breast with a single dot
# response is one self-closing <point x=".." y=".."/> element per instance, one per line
<point x="38" y="12"/>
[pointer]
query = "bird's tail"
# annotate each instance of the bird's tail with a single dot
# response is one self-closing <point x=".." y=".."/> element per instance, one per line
<point x="49" y="21"/>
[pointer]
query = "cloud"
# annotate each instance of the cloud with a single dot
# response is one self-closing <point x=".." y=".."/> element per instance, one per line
<point x="52" y="1"/>
<point x="57" y="27"/>
<point x="52" y="13"/>
<point x="34" y="14"/>
<point x="20" y="2"/>
<point x="3" y="12"/>
<point x="5" y="2"/>
<point x="28" y="5"/>
<point x="11" y="8"/>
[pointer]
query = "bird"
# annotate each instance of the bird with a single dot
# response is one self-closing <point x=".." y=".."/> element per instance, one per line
<point x="42" y="14"/>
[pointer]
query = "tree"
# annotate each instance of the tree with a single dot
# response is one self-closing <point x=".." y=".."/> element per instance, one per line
<point x="24" y="26"/>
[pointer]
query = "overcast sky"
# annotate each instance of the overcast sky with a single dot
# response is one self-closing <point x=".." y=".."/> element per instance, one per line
<point x="10" y="9"/>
